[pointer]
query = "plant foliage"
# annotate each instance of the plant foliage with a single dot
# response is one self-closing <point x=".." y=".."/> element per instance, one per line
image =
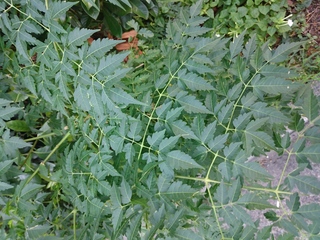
<point x="157" y="148"/>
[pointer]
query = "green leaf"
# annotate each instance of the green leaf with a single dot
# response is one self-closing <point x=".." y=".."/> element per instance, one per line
<point x="273" y="85"/>
<point x="310" y="211"/>
<point x="193" y="81"/>
<point x="168" y="143"/>
<point x="77" y="36"/>
<point x="312" y="152"/>
<point x="8" y="112"/>
<point x="157" y="220"/>
<point x="82" y="98"/>
<point x="11" y="144"/>
<point x="156" y="138"/>
<point x="37" y="231"/>
<point x="100" y="47"/>
<point x="18" y="125"/>
<point x="218" y="142"/>
<point x="242" y="121"/>
<point x="225" y="168"/>
<point x="186" y="234"/>
<point x="126" y="192"/>
<point x="251" y="170"/>
<point x="208" y="132"/>
<point x="173" y="222"/>
<point x="192" y="105"/>
<point x="221" y="195"/>
<point x="236" y="45"/>
<point x="283" y="51"/>
<point x="5" y="166"/>
<point x="196" y="8"/>
<point x="180" y="128"/>
<point x="288" y="226"/>
<point x="261" y="110"/>
<point x="30" y="190"/>
<point x="306" y="184"/>
<point x="294" y="202"/>
<point x="5" y="186"/>
<point x="91" y="8"/>
<point x="310" y="106"/>
<point x="178" y="191"/>
<point x="180" y="160"/>
<point x="252" y="201"/>
<point x="120" y="96"/>
<point x="235" y="190"/>
<point x="139" y="8"/>
<point x="58" y="9"/>
<point x="225" y="113"/>
<point x="241" y="213"/>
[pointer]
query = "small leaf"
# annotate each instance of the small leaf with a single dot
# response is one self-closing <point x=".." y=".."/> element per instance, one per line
<point x="5" y="186"/>
<point x="37" y="231"/>
<point x="120" y="96"/>
<point x="288" y="226"/>
<point x="193" y="81"/>
<point x="192" y="105"/>
<point x="18" y="126"/>
<point x="236" y="45"/>
<point x="217" y="143"/>
<point x="139" y="8"/>
<point x="78" y="36"/>
<point x="178" y="191"/>
<point x="8" y="112"/>
<point x="82" y="98"/>
<point x="5" y="166"/>
<point x="156" y="138"/>
<point x="310" y="106"/>
<point x="195" y="9"/>
<point x="100" y="47"/>
<point x="294" y="202"/>
<point x="168" y="143"/>
<point x="126" y="192"/>
<point x="225" y="113"/>
<point x="252" y="201"/>
<point x="271" y="215"/>
<point x="180" y="128"/>
<point x="252" y="170"/>
<point x="312" y="152"/>
<point x="282" y="52"/>
<point x="179" y="160"/>
<point x="30" y="190"/>
<point x="273" y="85"/>
<point x="58" y="9"/>
<point x="208" y="132"/>
<point x="306" y="184"/>
<point x="310" y="211"/>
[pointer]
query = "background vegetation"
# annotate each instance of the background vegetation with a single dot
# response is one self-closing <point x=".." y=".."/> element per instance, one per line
<point x="153" y="142"/>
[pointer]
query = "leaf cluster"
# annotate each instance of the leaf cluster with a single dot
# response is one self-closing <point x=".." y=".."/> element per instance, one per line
<point x="156" y="148"/>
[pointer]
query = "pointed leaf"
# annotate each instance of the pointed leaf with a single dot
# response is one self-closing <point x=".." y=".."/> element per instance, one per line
<point x="126" y="192"/>
<point x="193" y="81"/>
<point x="236" y="45"/>
<point x="306" y="184"/>
<point x="192" y="105"/>
<point x="180" y="160"/>
<point x="120" y="96"/>
<point x="78" y="36"/>
<point x="178" y="191"/>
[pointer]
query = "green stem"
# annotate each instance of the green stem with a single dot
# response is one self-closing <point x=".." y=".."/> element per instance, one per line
<point x="48" y="157"/>
<point x="39" y="137"/>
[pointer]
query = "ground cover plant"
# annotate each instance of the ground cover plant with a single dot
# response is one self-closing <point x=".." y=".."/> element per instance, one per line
<point x="157" y="147"/>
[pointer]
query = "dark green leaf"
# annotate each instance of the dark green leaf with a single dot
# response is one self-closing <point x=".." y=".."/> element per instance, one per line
<point x="179" y="160"/>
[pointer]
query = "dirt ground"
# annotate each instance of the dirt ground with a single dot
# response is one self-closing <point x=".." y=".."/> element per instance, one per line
<point x="312" y="14"/>
<point x="273" y="163"/>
